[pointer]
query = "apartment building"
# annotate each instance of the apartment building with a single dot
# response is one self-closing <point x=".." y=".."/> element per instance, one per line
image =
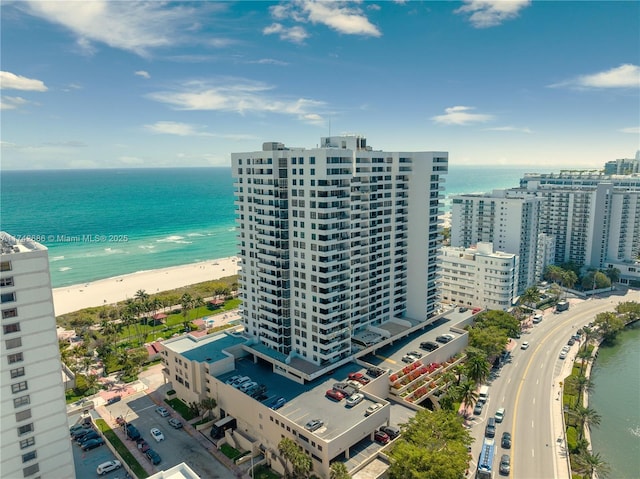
<point x="478" y="277"/>
<point x="334" y="240"/>
<point x="509" y="221"/>
<point x="33" y="425"/>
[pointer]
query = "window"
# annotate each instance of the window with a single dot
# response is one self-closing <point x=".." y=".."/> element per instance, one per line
<point x="31" y="470"/>
<point x="7" y="297"/>
<point x="15" y="358"/>
<point x="25" y="443"/>
<point x="23" y="415"/>
<point x="17" y="387"/>
<point x="30" y="456"/>
<point x="5" y="266"/>
<point x="13" y="343"/>
<point x="21" y="401"/>
<point x="27" y="428"/>
<point x="9" y="313"/>
<point x="6" y="281"/>
<point x="11" y="328"/>
<point x="17" y="372"/>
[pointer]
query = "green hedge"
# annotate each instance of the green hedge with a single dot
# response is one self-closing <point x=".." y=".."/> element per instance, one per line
<point x="181" y="408"/>
<point x="231" y="452"/>
<point x="572" y="439"/>
<point x="125" y="454"/>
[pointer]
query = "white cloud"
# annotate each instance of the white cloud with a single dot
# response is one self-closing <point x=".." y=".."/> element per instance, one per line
<point x="624" y="76"/>
<point x="337" y="15"/>
<point x="373" y="6"/>
<point x="632" y="129"/>
<point x="143" y="74"/>
<point x="460" y="115"/>
<point x="12" y="102"/>
<point x="11" y="81"/>
<point x="175" y="128"/>
<point x="131" y="160"/>
<point x="269" y="61"/>
<point x="509" y="128"/>
<point x="236" y="95"/>
<point x="295" y="34"/>
<point x="132" y="26"/>
<point x="491" y="13"/>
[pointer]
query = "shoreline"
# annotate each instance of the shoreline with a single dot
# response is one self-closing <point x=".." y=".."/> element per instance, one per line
<point x="67" y="299"/>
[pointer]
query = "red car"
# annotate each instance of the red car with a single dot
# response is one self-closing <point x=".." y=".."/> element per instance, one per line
<point x="335" y="395"/>
<point x="361" y="378"/>
<point x="381" y="437"/>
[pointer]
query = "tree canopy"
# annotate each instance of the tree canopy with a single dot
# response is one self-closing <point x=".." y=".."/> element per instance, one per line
<point x="433" y="446"/>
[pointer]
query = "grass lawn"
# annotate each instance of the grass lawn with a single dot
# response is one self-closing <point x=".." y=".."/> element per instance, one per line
<point x="126" y="456"/>
<point x="229" y="451"/>
<point x="263" y="472"/>
<point x="181" y="407"/>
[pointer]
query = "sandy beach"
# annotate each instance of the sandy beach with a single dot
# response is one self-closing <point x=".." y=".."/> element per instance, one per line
<point x="111" y="290"/>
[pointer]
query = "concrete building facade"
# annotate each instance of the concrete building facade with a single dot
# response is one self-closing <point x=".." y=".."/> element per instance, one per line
<point x="478" y="277"/>
<point x="33" y="426"/>
<point x="334" y="240"/>
<point x="508" y="221"/>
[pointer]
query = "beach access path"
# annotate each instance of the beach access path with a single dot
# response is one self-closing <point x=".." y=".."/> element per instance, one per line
<point x="68" y="299"/>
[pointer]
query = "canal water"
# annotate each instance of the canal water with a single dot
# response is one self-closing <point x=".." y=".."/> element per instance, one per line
<point x="616" y="397"/>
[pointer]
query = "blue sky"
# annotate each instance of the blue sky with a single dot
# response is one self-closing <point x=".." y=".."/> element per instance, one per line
<point x="125" y="84"/>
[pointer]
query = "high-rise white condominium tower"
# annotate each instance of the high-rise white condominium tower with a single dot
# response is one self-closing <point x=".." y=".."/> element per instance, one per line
<point x="509" y="221"/>
<point x="33" y="423"/>
<point x="334" y="240"/>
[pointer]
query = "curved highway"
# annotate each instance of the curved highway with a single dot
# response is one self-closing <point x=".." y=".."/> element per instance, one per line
<point x="528" y="388"/>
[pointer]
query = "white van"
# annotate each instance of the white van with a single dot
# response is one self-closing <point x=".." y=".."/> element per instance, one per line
<point x="483" y="396"/>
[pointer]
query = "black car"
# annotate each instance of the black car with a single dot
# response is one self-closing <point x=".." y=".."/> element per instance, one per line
<point x="153" y="456"/>
<point x="87" y="437"/>
<point x="490" y="429"/>
<point x="571" y="341"/>
<point x="429" y="346"/>
<point x="92" y="444"/>
<point x="506" y="440"/>
<point x="78" y="433"/>
<point x="132" y="432"/>
<point x="505" y="464"/>
<point x="391" y="431"/>
<point x="477" y="410"/>
<point x="444" y="338"/>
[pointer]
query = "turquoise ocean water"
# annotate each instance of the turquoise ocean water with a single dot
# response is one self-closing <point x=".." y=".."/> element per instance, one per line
<point x="103" y="223"/>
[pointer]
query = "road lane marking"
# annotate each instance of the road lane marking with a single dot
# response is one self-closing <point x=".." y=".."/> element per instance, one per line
<point x="532" y="425"/>
<point x="534" y="400"/>
<point x="533" y="453"/>
<point x="537" y="382"/>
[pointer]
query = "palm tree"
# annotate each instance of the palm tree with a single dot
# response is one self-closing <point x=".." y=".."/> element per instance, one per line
<point x="338" y="471"/>
<point x="587" y="335"/>
<point x="584" y="355"/>
<point x="186" y="301"/>
<point x="467" y="393"/>
<point x="530" y="297"/>
<point x="613" y="274"/>
<point x="586" y="416"/>
<point x="287" y="449"/>
<point x="92" y="382"/>
<point x="477" y="367"/>
<point x="592" y="463"/>
<point x="141" y="295"/>
<point x="584" y="385"/>
<point x="302" y="465"/>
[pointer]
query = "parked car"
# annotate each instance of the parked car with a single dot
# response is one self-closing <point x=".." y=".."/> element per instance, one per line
<point x="248" y="385"/>
<point x="537" y="318"/>
<point x="354" y="384"/>
<point x="524" y="345"/>
<point x="75" y="427"/>
<point x="462" y="309"/>
<point x="477" y="410"/>
<point x="346" y="389"/>
<point x="163" y="411"/>
<point x="391" y="431"/>
<point x="408" y="359"/>
<point x="157" y="434"/>
<point x="490" y="429"/>
<point x="132" y="432"/>
<point x="240" y="381"/>
<point x="429" y="345"/>
<point x="354" y="399"/>
<point x="153" y="456"/>
<point x="505" y="464"/>
<point x="415" y="354"/>
<point x="175" y="423"/>
<point x="499" y="415"/>
<point x="78" y="433"/>
<point x="334" y="394"/>
<point x="277" y="403"/>
<point x="257" y="391"/>
<point x="92" y="444"/>
<point x="143" y="446"/>
<point x="375" y="372"/>
<point x="355" y="376"/>
<point x="87" y="437"/>
<point x="373" y="408"/>
<point x="233" y="379"/>
<point x="563" y="355"/>
<point x="445" y="338"/>
<point x="571" y="341"/>
<point x="506" y="440"/>
<point x="314" y="425"/>
<point x="108" y="466"/>
<point x="113" y="400"/>
<point x="381" y="437"/>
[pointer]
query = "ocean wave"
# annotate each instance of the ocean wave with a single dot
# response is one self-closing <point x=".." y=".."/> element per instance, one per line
<point x="232" y="229"/>
<point x="195" y="234"/>
<point x="635" y="431"/>
<point x="170" y="239"/>
<point x="183" y="242"/>
<point x="147" y="246"/>
<point x="64" y="268"/>
<point x="113" y="251"/>
<point x="56" y="258"/>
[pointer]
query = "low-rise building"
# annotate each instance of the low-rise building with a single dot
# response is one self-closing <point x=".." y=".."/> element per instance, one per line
<point x="478" y="277"/>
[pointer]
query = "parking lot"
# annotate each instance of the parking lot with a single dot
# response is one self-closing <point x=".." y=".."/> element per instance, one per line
<point x="86" y="462"/>
<point x="178" y="446"/>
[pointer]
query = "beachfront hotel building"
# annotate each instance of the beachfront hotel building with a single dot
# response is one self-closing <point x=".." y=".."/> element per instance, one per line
<point x="334" y="241"/>
<point x="508" y="221"/>
<point x="33" y="424"/>
<point x="478" y="277"/>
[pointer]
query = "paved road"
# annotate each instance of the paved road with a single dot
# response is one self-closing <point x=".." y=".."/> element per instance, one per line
<point x="528" y="389"/>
